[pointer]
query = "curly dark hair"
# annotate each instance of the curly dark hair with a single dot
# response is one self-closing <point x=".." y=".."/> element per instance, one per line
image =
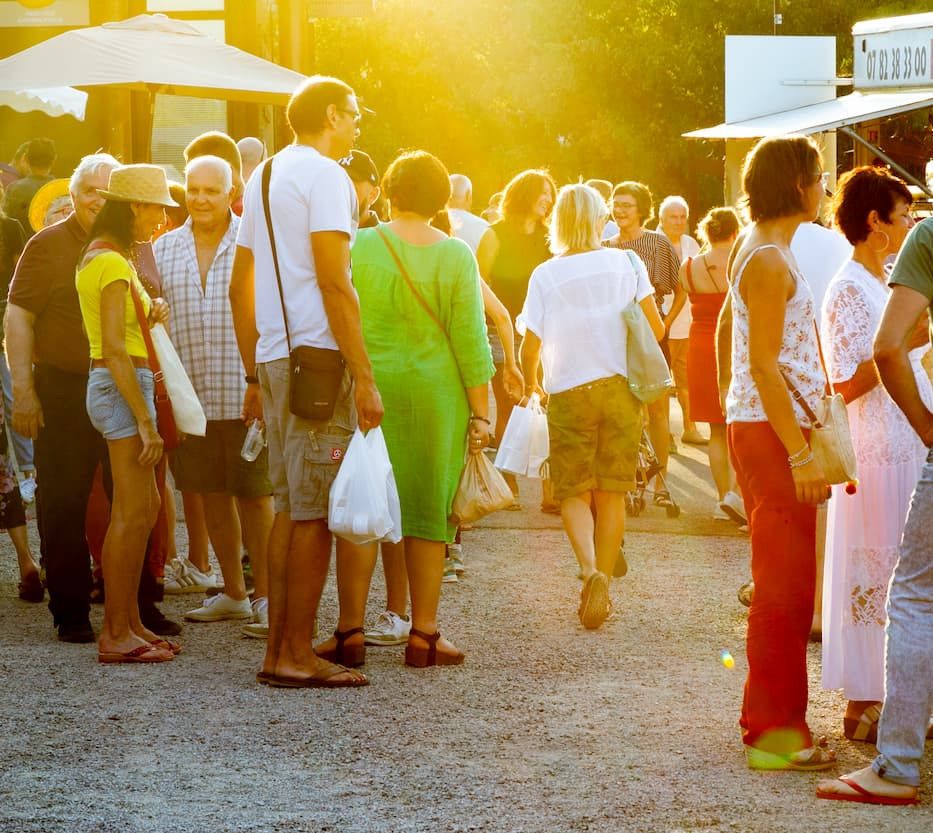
<point x="861" y="191"/>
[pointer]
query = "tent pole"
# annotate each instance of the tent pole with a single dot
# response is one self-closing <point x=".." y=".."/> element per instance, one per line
<point x="907" y="175"/>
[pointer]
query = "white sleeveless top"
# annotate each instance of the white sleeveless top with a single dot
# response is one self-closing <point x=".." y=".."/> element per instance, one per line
<point x="799" y="358"/>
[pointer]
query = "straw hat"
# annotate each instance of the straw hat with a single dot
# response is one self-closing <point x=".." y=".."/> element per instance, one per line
<point x="138" y="183"/>
<point x="51" y="203"/>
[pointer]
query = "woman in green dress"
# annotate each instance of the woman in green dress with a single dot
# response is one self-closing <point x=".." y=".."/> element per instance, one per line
<point x="432" y="362"/>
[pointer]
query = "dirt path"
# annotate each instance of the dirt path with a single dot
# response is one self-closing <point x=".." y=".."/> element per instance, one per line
<point x="546" y="728"/>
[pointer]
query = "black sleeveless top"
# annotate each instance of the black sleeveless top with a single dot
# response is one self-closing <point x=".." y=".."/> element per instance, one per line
<point x="519" y="254"/>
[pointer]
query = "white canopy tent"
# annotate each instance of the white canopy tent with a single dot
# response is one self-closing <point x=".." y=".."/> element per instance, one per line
<point x="53" y="101"/>
<point x="827" y="115"/>
<point x="151" y="53"/>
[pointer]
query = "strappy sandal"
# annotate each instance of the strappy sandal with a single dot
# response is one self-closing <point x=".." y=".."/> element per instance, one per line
<point x="815" y="758"/>
<point x="350" y="656"/>
<point x="425" y="657"/>
<point x="863" y="728"/>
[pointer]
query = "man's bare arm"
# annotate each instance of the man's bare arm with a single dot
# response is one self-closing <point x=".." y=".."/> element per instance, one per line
<point x="19" y="326"/>
<point x="243" y="304"/>
<point x="892" y="346"/>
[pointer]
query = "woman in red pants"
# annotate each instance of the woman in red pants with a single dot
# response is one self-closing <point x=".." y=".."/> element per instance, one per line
<point x="774" y="350"/>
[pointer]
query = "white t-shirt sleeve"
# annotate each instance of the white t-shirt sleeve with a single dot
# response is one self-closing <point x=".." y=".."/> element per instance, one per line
<point x="331" y="202"/>
<point x="246" y="231"/>
<point x="532" y="315"/>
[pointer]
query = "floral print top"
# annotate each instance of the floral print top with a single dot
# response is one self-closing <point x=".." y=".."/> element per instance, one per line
<point x="799" y="358"/>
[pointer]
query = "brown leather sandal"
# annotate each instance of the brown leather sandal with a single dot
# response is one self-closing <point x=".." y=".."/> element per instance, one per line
<point x="425" y="657"/>
<point x="349" y="656"/>
<point x="863" y="728"/>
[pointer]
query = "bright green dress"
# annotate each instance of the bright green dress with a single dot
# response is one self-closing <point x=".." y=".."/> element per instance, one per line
<point x="422" y="374"/>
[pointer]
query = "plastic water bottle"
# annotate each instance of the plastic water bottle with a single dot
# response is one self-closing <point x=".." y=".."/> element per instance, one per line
<point x="254" y="442"/>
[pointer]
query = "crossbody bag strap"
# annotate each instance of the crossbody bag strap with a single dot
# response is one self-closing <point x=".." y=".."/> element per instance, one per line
<point x="143" y="320"/>
<point x="411" y="285"/>
<point x="266" y="179"/>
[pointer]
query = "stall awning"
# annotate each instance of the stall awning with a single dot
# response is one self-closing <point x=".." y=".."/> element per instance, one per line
<point x="827" y="115"/>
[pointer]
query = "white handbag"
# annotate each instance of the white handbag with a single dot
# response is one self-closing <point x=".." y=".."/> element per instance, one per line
<point x="186" y="407"/>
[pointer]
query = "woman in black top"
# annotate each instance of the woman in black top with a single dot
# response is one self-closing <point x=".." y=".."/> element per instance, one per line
<point x="508" y="253"/>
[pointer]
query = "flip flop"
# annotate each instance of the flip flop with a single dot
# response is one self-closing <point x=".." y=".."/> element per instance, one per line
<point x="863" y="796"/>
<point x="167" y="644"/>
<point x="144" y="653"/>
<point x="323" y="678"/>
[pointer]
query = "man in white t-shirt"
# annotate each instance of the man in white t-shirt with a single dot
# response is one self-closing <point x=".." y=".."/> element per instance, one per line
<point x="463" y="223"/>
<point x="820" y="253"/>
<point x="673" y="222"/>
<point x="314" y="216"/>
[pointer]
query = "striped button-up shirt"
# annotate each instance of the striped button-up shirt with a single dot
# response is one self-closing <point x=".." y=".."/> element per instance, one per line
<point x="201" y="320"/>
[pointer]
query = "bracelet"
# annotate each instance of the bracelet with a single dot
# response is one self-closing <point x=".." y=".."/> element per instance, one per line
<point x="481" y="419"/>
<point x="801" y="463"/>
<point x="798" y="454"/>
<point x="251" y="380"/>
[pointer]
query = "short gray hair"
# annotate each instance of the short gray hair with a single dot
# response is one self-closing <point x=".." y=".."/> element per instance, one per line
<point x="215" y="162"/>
<point x="575" y="219"/>
<point x="670" y="202"/>
<point x="91" y="166"/>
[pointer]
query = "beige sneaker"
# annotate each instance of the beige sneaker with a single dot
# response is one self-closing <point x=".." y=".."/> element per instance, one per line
<point x="259" y="627"/>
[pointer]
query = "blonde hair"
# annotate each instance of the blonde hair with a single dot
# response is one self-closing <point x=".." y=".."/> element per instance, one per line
<point x="575" y="220"/>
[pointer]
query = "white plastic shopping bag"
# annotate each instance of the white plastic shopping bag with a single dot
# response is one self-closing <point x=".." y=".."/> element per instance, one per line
<point x="364" y="505"/>
<point x="189" y="415"/>
<point x="524" y="446"/>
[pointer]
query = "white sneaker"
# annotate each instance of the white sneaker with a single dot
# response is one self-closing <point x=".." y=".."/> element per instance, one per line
<point x="734" y="507"/>
<point x="181" y="576"/>
<point x="27" y="489"/>
<point x="719" y="515"/>
<point x="450" y="572"/>
<point x="388" y="629"/>
<point x="455" y="554"/>
<point x="259" y="627"/>
<point x="220" y="607"/>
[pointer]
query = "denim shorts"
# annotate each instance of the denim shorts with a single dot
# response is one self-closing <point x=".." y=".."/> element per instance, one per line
<point x="107" y="408"/>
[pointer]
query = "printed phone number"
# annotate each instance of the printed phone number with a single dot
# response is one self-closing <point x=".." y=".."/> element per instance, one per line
<point x="897" y="63"/>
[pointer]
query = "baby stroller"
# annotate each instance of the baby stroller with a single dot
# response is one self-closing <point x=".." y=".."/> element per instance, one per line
<point x="646" y="469"/>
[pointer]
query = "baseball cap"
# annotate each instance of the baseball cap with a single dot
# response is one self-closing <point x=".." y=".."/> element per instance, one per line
<point x="360" y="167"/>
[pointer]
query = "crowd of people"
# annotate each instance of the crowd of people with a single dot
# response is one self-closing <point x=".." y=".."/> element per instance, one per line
<point x="307" y="296"/>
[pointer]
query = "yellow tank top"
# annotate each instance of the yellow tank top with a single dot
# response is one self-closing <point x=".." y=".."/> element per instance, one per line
<point x="103" y="270"/>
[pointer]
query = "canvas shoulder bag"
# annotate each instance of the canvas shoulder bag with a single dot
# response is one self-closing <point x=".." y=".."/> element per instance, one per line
<point x="649" y="377"/>
<point x="316" y="373"/>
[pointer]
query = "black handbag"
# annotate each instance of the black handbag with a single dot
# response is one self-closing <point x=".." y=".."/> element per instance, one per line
<point x="316" y="373"/>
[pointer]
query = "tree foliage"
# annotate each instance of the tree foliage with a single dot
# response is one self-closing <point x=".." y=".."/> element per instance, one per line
<point x="588" y="88"/>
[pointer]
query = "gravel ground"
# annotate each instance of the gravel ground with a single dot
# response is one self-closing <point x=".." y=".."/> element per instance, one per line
<point x="547" y="727"/>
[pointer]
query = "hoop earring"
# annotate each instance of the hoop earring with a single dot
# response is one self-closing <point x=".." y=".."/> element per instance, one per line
<point x="887" y="241"/>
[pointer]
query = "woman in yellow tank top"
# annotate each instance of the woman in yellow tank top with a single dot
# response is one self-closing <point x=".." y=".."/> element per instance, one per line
<point x="120" y="398"/>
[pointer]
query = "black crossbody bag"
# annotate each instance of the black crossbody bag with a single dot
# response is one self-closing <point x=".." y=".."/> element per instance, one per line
<point x="316" y="372"/>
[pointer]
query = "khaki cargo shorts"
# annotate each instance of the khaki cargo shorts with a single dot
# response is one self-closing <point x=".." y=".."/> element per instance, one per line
<point x="304" y="456"/>
<point x="594" y="431"/>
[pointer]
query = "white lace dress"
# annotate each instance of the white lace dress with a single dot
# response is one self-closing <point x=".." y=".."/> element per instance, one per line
<point x="864" y="529"/>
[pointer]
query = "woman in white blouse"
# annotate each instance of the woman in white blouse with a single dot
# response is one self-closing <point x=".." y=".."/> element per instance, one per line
<point x="872" y="208"/>
<point x="572" y="323"/>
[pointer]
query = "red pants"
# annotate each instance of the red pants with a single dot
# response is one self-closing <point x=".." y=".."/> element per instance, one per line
<point x="783" y="538"/>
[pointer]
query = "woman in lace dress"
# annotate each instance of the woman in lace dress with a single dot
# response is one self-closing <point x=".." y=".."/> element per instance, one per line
<point x="872" y="208"/>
